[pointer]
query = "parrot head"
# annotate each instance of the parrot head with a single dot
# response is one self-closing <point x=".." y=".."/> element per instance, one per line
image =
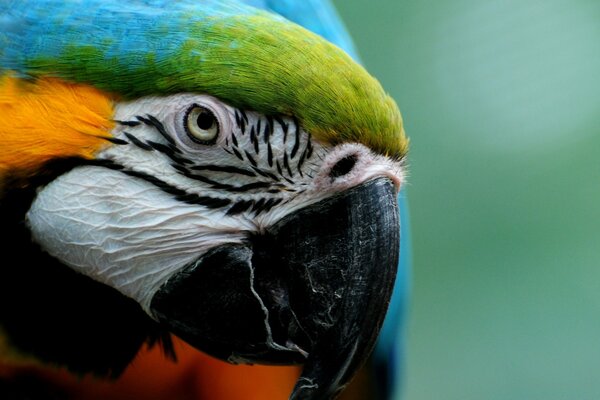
<point x="206" y="169"/>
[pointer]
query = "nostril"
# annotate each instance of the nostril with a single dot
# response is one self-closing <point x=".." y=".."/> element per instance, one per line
<point x="343" y="166"/>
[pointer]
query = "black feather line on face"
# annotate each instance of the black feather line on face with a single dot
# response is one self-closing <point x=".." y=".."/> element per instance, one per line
<point x="238" y="119"/>
<point x="222" y="186"/>
<point x="286" y="164"/>
<point x="128" y="123"/>
<point x="305" y="155"/>
<point x="296" y="138"/>
<point x="268" y="130"/>
<point x="119" y="142"/>
<point x="160" y="128"/>
<point x="270" y="154"/>
<point x="250" y="158"/>
<point x="223" y="168"/>
<point x="137" y="142"/>
<point x="266" y="174"/>
<point x="258" y="125"/>
<point x="254" y="140"/>
<point x="55" y="314"/>
<point x="169" y="151"/>
<point x="186" y="167"/>
<point x="284" y="126"/>
<point x="177" y="193"/>
<point x="240" y="206"/>
<point x="243" y="121"/>
<point x="237" y="153"/>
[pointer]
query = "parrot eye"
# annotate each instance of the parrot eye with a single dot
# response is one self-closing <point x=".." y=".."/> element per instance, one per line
<point x="201" y="125"/>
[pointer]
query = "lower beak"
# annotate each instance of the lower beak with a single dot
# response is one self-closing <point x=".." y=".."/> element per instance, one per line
<point x="313" y="289"/>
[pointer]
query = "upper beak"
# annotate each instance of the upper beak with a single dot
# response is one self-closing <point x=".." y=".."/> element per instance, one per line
<point x="314" y="289"/>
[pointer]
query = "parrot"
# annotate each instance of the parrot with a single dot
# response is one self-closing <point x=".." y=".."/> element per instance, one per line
<point x="204" y="171"/>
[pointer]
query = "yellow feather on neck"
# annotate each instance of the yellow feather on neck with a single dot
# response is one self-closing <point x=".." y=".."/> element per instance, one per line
<point x="49" y="119"/>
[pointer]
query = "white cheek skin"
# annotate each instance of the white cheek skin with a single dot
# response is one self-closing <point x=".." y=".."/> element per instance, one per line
<point x="122" y="231"/>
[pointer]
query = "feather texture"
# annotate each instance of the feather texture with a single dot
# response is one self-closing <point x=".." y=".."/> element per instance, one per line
<point x="49" y="119"/>
<point x="247" y="57"/>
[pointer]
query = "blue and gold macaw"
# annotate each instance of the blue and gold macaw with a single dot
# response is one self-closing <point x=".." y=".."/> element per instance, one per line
<point x="201" y="175"/>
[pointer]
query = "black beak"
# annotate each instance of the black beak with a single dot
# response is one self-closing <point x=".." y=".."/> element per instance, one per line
<point x="314" y="289"/>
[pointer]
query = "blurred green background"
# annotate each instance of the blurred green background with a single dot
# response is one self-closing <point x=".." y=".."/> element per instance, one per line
<point x="501" y="100"/>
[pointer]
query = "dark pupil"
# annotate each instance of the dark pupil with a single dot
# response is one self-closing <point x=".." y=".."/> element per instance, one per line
<point x="205" y="120"/>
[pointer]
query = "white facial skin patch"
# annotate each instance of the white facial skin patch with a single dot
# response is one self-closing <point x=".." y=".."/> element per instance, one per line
<point x="124" y="232"/>
<point x="193" y="173"/>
